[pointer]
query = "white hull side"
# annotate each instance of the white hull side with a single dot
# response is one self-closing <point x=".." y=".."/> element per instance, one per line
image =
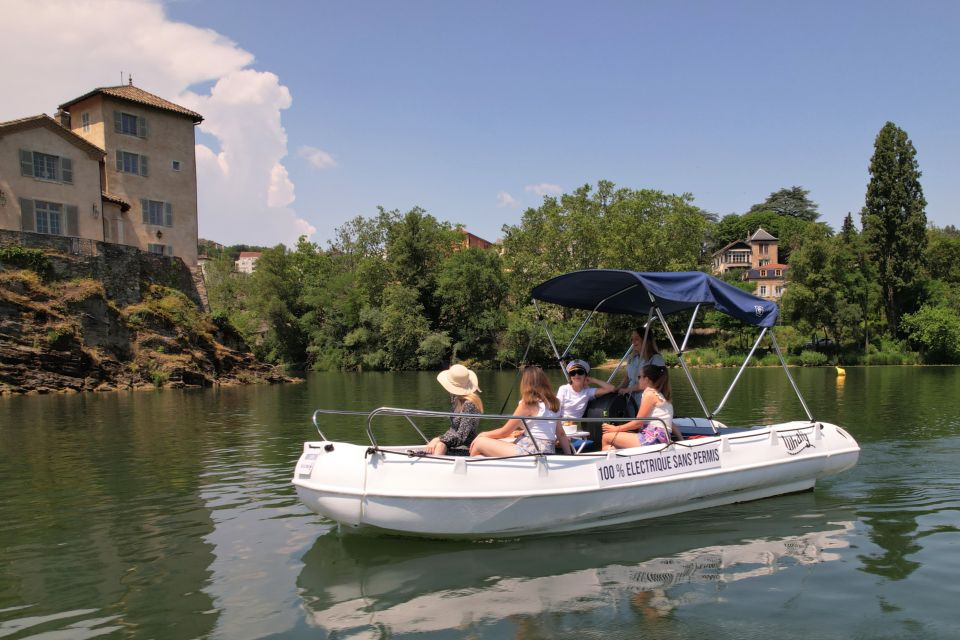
<point x="459" y="497"/>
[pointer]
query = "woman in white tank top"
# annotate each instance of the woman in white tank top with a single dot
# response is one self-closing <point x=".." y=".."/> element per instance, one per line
<point x="542" y="432"/>
<point x="655" y="403"/>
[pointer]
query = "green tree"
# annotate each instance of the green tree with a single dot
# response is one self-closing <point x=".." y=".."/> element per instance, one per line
<point x="792" y="202"/>
<point x="894" y="222"/>
<point x="935" y="329"/>
<point x="404" y="327"/>
<point x="471" y="290"/>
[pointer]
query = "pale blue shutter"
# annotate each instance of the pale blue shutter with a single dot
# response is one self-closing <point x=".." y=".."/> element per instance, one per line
<point x="144" y="206"/>
<point x="116" y="121"/>
<point x="143" y="166"/>
<point x="26" y="163"/>
<point x="26" y="215"/>
<point x="167" y="214"/>
<point x="73" y="229"/>
<point x="141" y="127"/>
<point x="169" y="249"/>
<point x="119" y="160"/>
<point x="66" y="170"/>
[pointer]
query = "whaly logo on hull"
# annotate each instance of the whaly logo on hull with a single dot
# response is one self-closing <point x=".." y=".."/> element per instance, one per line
<point x="796" y="442"/>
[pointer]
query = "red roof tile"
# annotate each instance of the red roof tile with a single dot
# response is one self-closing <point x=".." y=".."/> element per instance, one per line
<point x="137" y="95"/>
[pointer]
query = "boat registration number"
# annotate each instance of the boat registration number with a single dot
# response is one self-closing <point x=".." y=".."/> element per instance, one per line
<point x="656" y="465"/>
<point x="305" y="468"/>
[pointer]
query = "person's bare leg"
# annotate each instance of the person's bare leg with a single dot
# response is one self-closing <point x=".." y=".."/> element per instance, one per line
<point x="492" y="448"/>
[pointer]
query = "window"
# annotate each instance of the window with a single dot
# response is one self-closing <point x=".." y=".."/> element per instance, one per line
<point x="763" y="290"/>
<point x="778" y="272"/>
<point x="129" y="124"/>
<point x="161" y="249"/>
<point x="764" y="262"/>
<point x="132" y="163"/>
<point x="763" y="273"/>
<point x="175" y="165"/>
<point x="44" y="166"/>
<point x="85" y="121"/>
<point x="157" y="213"/>
<point x="47" y="217"/>
<point x="779" y="290"/>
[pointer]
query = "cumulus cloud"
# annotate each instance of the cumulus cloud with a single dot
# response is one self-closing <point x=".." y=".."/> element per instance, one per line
<point x="544" y="189"/>
<point x="244" y="191"/>
<point x="319" y="158"/>
<point x="505" y="200"/>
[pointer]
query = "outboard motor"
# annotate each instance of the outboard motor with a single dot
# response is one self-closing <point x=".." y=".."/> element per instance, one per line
<point x="609" y="406"/>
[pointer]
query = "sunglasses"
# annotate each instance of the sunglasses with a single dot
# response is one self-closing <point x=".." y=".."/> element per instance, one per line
<point x="578" y="372"/>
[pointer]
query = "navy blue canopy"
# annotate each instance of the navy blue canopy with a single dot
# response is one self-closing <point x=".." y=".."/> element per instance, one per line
<point x="622" y="291"/>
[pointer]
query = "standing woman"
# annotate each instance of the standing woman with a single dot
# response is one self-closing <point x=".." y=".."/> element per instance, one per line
<point x="644" y="352"/>
<point x="462" y="385"/>
<point x="655" y="403"/>
<point x="538" y="402"/>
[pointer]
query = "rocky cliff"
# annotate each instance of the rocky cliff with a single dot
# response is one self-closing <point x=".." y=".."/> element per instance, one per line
<point x="60" y="329"/>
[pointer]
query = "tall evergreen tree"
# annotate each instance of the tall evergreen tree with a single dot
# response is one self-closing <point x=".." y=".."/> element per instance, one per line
<point x="894" y="222"/>
<point x="791" y="202"/>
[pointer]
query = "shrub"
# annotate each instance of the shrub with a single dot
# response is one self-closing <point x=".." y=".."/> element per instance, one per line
<point x="812" y="358"/>
<point x="60" y="336"/>
<point x="23" y="258"/>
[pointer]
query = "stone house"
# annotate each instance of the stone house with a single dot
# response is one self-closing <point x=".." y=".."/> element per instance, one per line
<point x="757" y="258"/>
<point x="117" y="165"/>
<point x="247" y="261"/>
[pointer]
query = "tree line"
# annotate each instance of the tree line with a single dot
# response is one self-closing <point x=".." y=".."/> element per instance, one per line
<point x="397" y="291"/>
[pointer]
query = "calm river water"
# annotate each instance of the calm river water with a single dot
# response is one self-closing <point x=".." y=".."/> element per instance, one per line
<point x="171" y="515"/>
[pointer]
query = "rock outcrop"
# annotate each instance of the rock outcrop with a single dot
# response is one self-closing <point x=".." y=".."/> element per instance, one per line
<point x="63" y="333"/>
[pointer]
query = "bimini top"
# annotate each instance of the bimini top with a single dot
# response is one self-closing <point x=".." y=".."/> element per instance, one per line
<point x="619" y="291"/>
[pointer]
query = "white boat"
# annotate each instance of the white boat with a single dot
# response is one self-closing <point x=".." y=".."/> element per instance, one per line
<point x="394" y="489"/>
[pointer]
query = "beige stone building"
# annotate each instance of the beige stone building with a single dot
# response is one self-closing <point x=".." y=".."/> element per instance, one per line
<point x="49" y="180"/>
<point x="120" y="164"/>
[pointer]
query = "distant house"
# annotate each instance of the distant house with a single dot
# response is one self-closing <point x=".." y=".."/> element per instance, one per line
<point x="471" y="241"/>
<point x="247" y="261"/>
<point x="757" y="258"/>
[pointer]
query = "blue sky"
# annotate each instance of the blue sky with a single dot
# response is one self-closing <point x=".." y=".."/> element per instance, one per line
<point x="474" y="110"/>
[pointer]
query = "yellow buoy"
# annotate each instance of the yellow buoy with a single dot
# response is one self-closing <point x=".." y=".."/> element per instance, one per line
<point x="841" y="371"/>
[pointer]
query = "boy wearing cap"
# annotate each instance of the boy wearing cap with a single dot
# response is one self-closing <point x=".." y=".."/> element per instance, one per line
<point x="575" y="396"/>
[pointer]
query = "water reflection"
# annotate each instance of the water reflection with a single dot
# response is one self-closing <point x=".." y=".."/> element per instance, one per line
<point x="354" y="586"/>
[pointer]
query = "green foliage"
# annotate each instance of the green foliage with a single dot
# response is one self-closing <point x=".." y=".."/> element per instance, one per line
<point x="935" y="330"/>
<point x="60" y="337"/>
<point x="812" y="358"/>
<point x="894" y="222"/>
<point x="791" y="202"/>
<point x="22" y="257"/>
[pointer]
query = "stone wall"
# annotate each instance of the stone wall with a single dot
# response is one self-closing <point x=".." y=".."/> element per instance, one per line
<point x="122" y="269"/>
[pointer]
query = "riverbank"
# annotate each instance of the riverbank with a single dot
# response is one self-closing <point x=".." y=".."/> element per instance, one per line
<point x="60" y="331"/>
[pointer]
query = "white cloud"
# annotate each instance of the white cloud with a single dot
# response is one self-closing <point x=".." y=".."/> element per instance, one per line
<point x="319" y="158"/>
<point x="544" y="189"/>
<point x="244" y="191"/>
<point x="505" y="200"/>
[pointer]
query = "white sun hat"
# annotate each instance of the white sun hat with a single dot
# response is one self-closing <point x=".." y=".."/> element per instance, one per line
<point x="578" y="364"/>
<point x="458" y="380"/>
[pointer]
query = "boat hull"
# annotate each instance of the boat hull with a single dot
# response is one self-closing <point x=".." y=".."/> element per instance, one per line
<point x="454" y="497"/>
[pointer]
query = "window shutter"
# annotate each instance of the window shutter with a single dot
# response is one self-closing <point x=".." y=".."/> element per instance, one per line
<point x="141" y="127"/>
<point x="119" y="160"/>
<point x="143" y="166"/>
<point x="72" y="226"/>
<point x="66" y="170"/>
<point x="144" y="206"/>
<point x="167" y="214"/>
<point x="26" y="215"/>
<point x="116" y="121"/>
<point x="26" y="163"/>
<point x="169" y="249"/>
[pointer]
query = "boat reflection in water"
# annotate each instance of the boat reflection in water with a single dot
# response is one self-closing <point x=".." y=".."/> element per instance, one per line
<point x="353" y="585"/>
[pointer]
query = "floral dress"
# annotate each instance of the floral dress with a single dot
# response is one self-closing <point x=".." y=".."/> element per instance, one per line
<point x="463" y="427"/>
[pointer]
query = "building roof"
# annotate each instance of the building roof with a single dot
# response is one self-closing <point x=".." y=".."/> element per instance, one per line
<point x="109" y="197"/>
<point x="754" y="274"/>
<point x="137" y="95"/>
<point x="250" y="254"/>
<point x="746" y="246"/>
<point x="760" y="234"/>
<point x="43" y="120"/>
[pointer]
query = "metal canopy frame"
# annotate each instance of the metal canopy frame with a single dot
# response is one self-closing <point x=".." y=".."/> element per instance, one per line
<point x="655" y="310"/>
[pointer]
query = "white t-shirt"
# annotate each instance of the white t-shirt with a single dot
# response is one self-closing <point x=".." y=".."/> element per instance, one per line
<point x="574" y="403"/>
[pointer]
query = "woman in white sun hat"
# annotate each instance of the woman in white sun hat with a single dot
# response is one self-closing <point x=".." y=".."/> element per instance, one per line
<point x="462" y="385"/>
